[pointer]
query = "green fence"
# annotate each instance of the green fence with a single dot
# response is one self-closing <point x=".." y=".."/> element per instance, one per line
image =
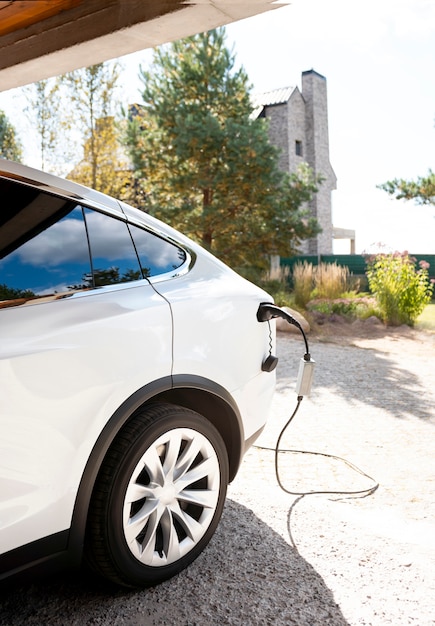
<point x="355" y="262"/>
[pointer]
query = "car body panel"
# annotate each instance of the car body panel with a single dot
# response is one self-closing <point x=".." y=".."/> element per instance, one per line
<point x="225" y="331"/>
<point x="64" y="379"/>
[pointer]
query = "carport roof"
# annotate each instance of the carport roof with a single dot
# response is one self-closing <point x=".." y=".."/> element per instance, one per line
<point x="43" y="38"/>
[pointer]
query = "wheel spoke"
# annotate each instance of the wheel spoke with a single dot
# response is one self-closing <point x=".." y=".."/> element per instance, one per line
<point x="187" y="457"/>
<point x="208" y="467"/>
<point x="134" y="525"/>
<point x="153" y="464"/>
<point x="137" y="492"/>
<point x="201" y="497"/>
<point x="193" y="529"/>
<point x="171" y="544"/>
<point x="172" y="452"/>
<point x="148" y="545"/>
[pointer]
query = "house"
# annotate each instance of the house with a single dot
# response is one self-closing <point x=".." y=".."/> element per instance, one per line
<point x="298" y="126"/>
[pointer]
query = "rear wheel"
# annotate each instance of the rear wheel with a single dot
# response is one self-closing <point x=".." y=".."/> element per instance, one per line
<point x="158" y="497"/>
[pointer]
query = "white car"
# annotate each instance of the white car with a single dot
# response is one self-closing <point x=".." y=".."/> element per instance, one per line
<point x="133" y="378"/>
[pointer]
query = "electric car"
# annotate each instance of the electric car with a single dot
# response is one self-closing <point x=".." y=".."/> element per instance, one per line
<point x="132" y="382"/>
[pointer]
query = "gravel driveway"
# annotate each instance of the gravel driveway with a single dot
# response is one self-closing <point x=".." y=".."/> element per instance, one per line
<point x="313" y="560"/>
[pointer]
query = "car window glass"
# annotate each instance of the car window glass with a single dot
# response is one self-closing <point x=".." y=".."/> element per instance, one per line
<point x="114" y="258"/>
<point x="25" y="212"/>
<point x="156" y="255"/>
<point x="53" y="260"/>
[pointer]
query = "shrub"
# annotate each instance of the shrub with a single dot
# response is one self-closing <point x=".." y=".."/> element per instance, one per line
<point x="350" y="306"/>
<point x="324" y="281"/>
<point x="330" y="280"/>
<point x="277" y="286"/>
<point x="303" y="283"/>
<point x="401" y="290"/>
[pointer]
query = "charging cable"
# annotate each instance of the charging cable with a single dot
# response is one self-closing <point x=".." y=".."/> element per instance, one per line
<point x="266" y="312"/>
<point x="278" y="450"/>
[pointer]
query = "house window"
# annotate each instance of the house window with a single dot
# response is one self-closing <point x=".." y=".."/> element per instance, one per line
<point x="298" y="147"/>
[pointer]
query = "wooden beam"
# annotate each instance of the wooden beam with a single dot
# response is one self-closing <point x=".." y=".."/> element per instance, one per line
<point x="19" y="14"/>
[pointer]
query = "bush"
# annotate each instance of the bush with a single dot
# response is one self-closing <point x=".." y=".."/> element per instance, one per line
<point x="278" y="287"/>
<point x="401" y="290"/>
<point x="348" y="305"/>
<point x="303" y="283"/>
<point x="324" y="281"/>
<point x="330" y="280"/>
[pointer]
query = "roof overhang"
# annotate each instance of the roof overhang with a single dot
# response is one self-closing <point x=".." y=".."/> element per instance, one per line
<point x="43" y="38"/>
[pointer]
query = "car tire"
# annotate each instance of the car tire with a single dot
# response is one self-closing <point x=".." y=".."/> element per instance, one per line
<point x="158" y="497"/>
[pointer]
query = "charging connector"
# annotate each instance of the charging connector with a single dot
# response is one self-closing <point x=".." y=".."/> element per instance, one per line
<point x="305" y="377"/>
<point x="266" y="312"/>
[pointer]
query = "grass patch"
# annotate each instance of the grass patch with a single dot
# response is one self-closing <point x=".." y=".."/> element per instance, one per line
<point x="426" y="321"/>
<point x="352" y="306"/>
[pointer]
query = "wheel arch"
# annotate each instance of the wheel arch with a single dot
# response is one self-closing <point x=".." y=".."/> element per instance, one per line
<point x="214" y="403"/>
<point x="193" y="392"/>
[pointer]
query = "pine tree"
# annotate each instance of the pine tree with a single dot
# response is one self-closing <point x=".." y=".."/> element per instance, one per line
<point x="205" y="166"/>
<point x="421" y="190"/>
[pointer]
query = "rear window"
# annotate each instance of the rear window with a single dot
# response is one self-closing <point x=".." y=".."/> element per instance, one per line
<point x="156" y="255"/>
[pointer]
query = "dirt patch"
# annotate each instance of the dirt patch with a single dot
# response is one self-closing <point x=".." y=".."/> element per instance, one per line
<point x="366" y="333"/>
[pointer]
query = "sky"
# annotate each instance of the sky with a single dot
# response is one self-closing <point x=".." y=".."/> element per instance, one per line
<point x="378" y="57"/>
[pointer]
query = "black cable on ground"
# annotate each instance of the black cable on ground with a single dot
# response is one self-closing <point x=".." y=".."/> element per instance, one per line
<point x="277" y="451"/>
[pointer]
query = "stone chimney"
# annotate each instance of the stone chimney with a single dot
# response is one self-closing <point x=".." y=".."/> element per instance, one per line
<point x="316" y="154"/>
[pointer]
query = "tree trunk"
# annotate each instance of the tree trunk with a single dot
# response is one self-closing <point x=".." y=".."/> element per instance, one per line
<point x="207" y="233"/>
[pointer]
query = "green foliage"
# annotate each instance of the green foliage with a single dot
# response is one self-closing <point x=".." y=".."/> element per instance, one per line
<point x="104" y="166"/>
<point x="426" y="320"/>
<point x="75" y="112"/>
<point x="208" y="169"/>
<point x="303" y="283"/>
<point x="351" y="307"/>
<point x="277" y="285"/>
<point x="10" y="147"/>
<point x="281" y="295"/>
<point x="330" y="280"/>
<point x="401" y="290"/>
<point x="93" y="92"/>
<point x="422" y="190"/>
<point x="324" y="281"/>
<point x="10" y="293"/>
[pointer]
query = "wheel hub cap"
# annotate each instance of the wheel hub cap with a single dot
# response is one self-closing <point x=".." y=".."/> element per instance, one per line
<point x="171" y="497"/>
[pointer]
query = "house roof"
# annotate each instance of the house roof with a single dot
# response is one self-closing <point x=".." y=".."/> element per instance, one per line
<point x="269" y="98"/>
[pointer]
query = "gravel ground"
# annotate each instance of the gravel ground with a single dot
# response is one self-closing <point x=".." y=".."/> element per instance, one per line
<point x="311" y="560"/>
